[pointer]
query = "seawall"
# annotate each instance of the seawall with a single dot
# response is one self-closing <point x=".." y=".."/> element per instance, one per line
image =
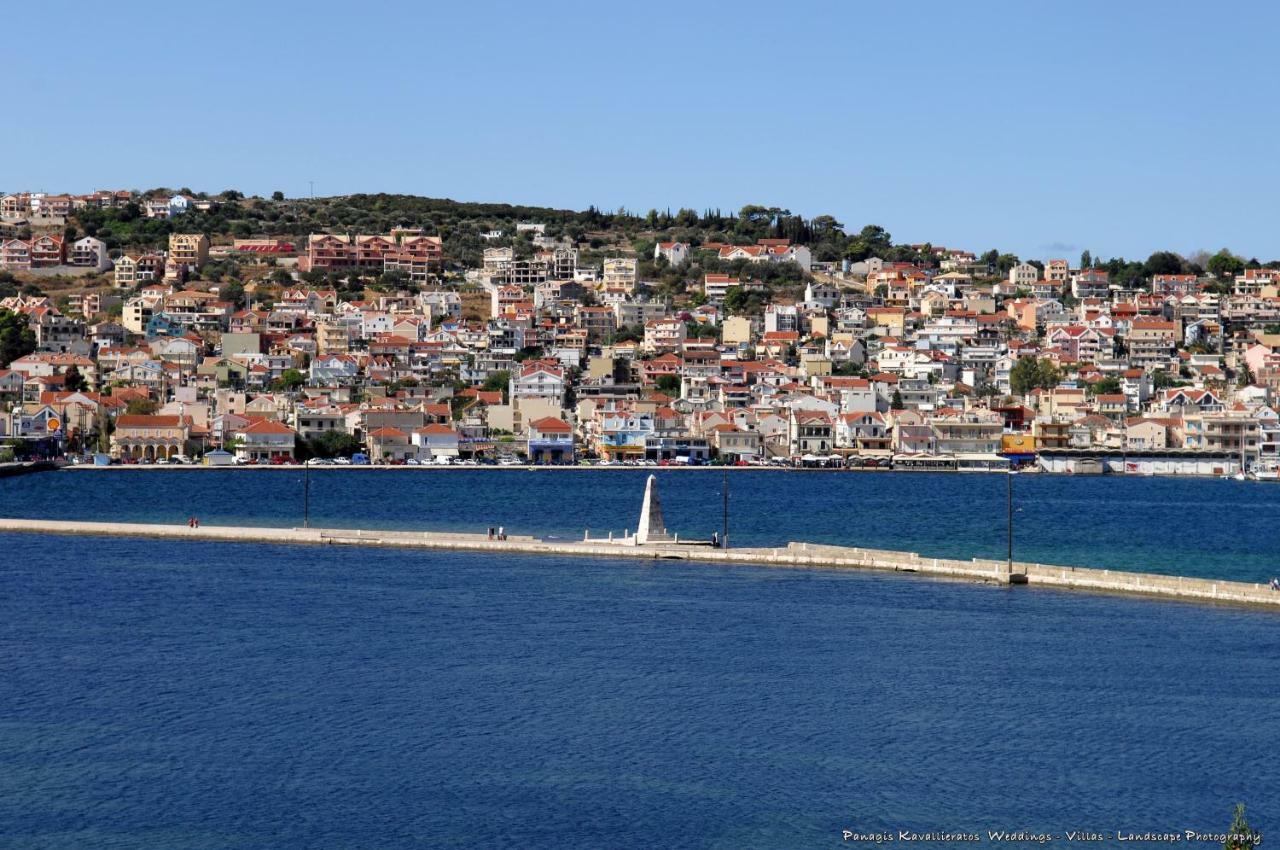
<point x="8" y="470"/>
<point x="801" y="555"/>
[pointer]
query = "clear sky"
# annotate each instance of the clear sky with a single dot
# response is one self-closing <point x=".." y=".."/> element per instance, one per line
<point x="1037" y="128"/>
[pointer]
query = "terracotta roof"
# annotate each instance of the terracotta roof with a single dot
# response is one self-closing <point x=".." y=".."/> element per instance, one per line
<point x="267" y="426"/>
<point x="133" y="420"/>
<point x="550" y="424"/>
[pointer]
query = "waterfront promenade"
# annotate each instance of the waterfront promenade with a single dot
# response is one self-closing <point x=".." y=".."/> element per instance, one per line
<point x="794" y="555"/>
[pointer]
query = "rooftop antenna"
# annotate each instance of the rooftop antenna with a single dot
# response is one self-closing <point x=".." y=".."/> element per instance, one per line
<point x="312" y="183"/>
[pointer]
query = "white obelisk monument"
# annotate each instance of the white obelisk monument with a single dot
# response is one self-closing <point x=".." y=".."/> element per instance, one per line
<point x="652" y="529"/>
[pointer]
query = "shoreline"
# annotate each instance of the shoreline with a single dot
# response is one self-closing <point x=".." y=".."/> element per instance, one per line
<point x="524" y="467"/>
<point x="793" y="555"/>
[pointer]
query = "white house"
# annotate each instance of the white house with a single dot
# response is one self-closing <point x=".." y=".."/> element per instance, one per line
<point x="435" y="441"/>
<point x="675" y="252"/>
<point x="90" y="253"/>
<point x="1024" y="276"/>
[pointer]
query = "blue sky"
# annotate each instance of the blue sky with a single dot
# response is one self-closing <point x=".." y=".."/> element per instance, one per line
<point x="1034" y="128"/>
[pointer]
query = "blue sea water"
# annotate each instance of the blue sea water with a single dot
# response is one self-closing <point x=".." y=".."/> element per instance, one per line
<point x="162" y="694"/>
<point x="1194" y="527"/>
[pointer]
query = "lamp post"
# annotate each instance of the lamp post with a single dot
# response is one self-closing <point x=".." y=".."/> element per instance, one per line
<point x="724" y="490"/>
<point x="306" y="494"/>
<point x="1009" y="506"/>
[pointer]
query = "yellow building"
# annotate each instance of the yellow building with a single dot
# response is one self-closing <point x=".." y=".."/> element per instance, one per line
<point x="187" y="252"/>
<point x="736" y="330"/>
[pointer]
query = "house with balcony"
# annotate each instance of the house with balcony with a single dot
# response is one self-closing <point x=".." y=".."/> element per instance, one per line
<point x="263" y="439"/>
<point x="132" y="270"/>
<point x="537" y="379"/>
<point x="622" y="434"/>
<point x="812" y="432"/>
<point x="664" y="335"/>
<point x="550" y="440"/>
<point x="1153" y="343"/>
<point x="1234" y="433"/>
<point x="436" y="440"/>
<point x="1091" y="283"/>
<point x="971" y="432"/>
<point x="388" y="444"/>
<point x="187" y="252"/>
<point x="716" y="286"/>
<point x="48" y="251"/>
<point x="863" y="433"/>
<point x="15" y="254"/>
<point x="90" y="253"/>
<point x="619" y="275"/>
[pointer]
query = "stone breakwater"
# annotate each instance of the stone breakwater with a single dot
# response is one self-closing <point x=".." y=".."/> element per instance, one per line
<point x="801" y="555"/>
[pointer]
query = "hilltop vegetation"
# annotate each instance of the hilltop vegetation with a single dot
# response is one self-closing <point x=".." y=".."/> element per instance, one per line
<point x="463" y="225"/>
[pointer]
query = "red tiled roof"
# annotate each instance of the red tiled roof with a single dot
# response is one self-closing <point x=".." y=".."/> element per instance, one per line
<point x="550" y="424"/>
<point x="134" y="420"/>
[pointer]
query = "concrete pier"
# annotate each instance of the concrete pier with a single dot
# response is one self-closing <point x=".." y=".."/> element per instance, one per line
<point x="802" y="555"/>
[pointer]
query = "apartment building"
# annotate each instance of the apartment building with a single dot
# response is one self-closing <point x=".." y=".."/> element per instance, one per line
<point x="1024" y="276"/>
<point x="619" y="275"/>
<point x="136" y="269"/>
<point x="90" y="253"/>
<point x="1152" y="343"/>
<point x="187" y="252"/>
<point x="716" y="286"/>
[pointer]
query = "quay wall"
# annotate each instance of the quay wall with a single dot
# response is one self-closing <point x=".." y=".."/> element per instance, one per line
<point x="795" y="555"/>
<point x="8" y="470"/>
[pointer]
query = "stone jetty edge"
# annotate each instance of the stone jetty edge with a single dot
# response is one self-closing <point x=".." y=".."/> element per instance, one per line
<point x="802" y="555"/>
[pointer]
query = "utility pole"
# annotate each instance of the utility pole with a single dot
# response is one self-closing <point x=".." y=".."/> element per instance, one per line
<point x="724" y="490"/>
<point x="312" y="183"/>
<point x="1009" y="505"/>
<point x="306" y="495"/>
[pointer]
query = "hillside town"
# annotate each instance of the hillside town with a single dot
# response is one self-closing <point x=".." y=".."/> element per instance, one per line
<point x="546" y="348"/>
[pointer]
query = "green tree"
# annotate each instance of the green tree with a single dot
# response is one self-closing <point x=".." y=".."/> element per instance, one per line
<point x="1107" y="386"/>
<point x="289" y="381"/>
<point x="1086" y="260"/>
<point x="1224" y="265"/>
<point x="1163" y="262"/>
<point x="73" y="380"/>
<point x="16" y="337"/>
<point x="333" y="444"/>
<point x="668" y="384"/>
<point x="233" y="292"/>
<point x="496" y="381"/>
<point x="141" y="407"/>
<point x="277" y="195"/>
<point x="896" y="402"/>
<point x="1031" y="373"/>
<point x="1241" y="836"/>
